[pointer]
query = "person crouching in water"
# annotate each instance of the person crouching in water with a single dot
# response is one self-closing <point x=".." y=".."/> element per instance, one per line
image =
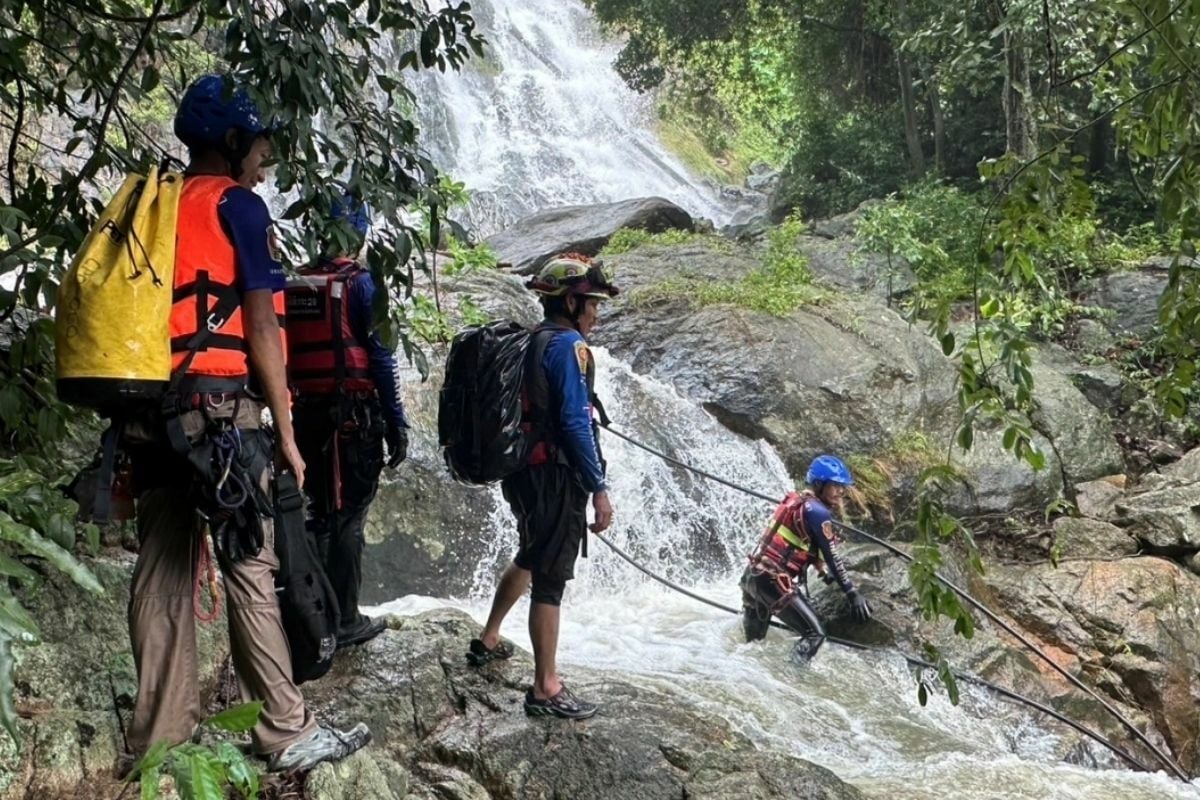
<point x="799" y="535"/>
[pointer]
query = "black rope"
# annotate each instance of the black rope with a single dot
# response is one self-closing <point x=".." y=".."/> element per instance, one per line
<point x="962" y="593"/>
<point x="962" y="676"/>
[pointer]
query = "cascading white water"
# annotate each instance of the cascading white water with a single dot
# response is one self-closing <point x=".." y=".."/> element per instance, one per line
<point x="855" y="713"/>
<point x="542" y="120"/>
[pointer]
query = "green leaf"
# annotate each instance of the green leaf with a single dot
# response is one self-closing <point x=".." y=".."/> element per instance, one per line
<point x="237" y="719"/>
<point x="948" y="344"/>
<point x="149" y="780"/>
<point x="922" y="694"/>
<point x="153" y="758"/>
<point x="15" y="622"/>
<point x="33" y="543"/>
<point x="8" y="711"/>
<point x="241" y="773"/>
<point x="966" y="437"/>
<point x="198" y="775"/>
<point x="12" y="568"/>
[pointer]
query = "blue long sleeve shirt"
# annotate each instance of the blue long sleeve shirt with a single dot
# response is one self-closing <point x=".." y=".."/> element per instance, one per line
<point x="819" y="524"/>
<point x="381" y="361"/>
<point x="565" y="365"/>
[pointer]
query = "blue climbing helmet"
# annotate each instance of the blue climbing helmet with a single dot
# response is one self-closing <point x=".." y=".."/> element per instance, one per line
<point x="208" y="110"/>
<point x="828" y="469"/>
<point x="352" y="211"/>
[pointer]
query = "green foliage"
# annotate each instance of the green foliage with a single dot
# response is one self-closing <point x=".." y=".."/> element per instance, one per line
<point x="203" y="771"/>
<point x="627" y="239"/>
<point x="779" y="285"/>
<point x="109" y="73"/>
<point x="934" y="229"/>
<point x="467" y="258"/>
<point x="875" y="474"/>
<point x="841" y="158"/>
<point x="428" y="322"/>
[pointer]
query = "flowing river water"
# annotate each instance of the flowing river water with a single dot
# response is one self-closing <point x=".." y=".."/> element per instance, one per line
<point x="854" y="713"/>
<point x="542" y="121"/>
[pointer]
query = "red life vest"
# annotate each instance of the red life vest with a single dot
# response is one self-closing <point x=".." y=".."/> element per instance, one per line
<point x="324" y="356"/>
<point x="785" y="544"/>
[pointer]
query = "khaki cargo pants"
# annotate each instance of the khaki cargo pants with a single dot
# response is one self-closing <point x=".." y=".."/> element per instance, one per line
<point x="162" y="624"/>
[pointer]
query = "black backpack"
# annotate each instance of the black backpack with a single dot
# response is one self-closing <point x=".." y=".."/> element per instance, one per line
<point x="306" y="599"/>
<point x="479" y="408"/>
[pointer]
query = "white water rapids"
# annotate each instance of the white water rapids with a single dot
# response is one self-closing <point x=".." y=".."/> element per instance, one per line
<point x="856" y="714"/>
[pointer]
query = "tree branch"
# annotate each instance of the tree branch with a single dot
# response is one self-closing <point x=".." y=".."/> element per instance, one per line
<point x="1100" y="65"/>
<point x="1188" y="67"/>
<point x="90" y="165"/>
<point x="13" y="141"/>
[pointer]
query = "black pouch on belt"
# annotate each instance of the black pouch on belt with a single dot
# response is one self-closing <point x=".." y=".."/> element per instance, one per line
<point x="306" y="600"/>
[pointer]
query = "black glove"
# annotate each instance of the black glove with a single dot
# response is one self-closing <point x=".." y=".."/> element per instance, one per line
<point x="397" y="444"/>
<point x="859" y="608"/>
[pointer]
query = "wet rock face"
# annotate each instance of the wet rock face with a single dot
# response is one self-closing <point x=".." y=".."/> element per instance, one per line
<point x="1131" y="626"/>
<point x="849" y="376"/>
<point x="585" y="229"/>
<point x="463" y="732"/>
<point x="76" y="684"/>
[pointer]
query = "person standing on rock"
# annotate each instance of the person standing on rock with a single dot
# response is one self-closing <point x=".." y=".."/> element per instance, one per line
<point x="206" y="461"/>
<point x="348" y="406"/>
<point x="800" y="535"/>
<point x="549" y="495"/>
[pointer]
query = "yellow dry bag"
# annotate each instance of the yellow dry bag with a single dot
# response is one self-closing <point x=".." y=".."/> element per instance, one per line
<point x="112" y="329"/>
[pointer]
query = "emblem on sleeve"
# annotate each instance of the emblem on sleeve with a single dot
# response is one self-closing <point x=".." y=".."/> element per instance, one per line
<point x="582" y="355"/>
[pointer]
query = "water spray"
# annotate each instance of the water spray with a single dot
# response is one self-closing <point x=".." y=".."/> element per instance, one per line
<point x="962" y="593"/>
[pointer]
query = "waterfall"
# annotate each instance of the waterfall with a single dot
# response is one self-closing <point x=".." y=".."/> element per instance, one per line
<point x="855" y="713"/>
<point x="542" y="120"/>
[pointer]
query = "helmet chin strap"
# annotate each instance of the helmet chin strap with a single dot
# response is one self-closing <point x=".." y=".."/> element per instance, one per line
<point x="580" y="305"/>
<point x="243" y="141"/>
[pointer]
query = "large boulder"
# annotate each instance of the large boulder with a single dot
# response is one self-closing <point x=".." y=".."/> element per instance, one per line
<point x="585" y="229"/>
<point x="1131" y="296"/>
<point x="1127" y="626"/>
<point x="847" y="375"/>
<point x="844" y="264"/>
<point x="461" y="732"/>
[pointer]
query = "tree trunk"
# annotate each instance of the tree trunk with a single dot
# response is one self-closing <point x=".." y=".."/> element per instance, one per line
<point x="916" y="156"/>
<point x="1021" y="133"/>
<point x="939" y="121"/>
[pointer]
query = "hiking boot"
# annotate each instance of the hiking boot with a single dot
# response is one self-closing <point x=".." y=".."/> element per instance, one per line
<point x="479" y="654"/>
<point x="362" y="631"/>
<point x="323" y="744"/>
<point x="564" y="704"/>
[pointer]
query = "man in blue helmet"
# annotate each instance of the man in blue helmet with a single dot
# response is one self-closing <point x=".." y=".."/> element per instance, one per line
<point x="228" y="298"/>
<point x="347" y="407"/>
<point x="800" y="535"/>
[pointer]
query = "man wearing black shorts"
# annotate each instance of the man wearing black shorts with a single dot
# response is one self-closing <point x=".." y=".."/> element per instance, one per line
<point x="549" y="495"/>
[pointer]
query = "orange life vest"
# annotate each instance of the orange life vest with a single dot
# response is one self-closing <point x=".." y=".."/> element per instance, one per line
<point x="324" y="356"/>
<point x="205" y="289"/>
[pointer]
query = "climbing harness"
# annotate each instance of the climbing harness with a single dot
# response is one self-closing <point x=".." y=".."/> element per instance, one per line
<point x="962" y="593"/>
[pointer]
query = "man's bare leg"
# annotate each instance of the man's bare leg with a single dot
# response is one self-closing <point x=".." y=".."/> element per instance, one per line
<point x="513" y="585"/>
<point x="543" y="631"/>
